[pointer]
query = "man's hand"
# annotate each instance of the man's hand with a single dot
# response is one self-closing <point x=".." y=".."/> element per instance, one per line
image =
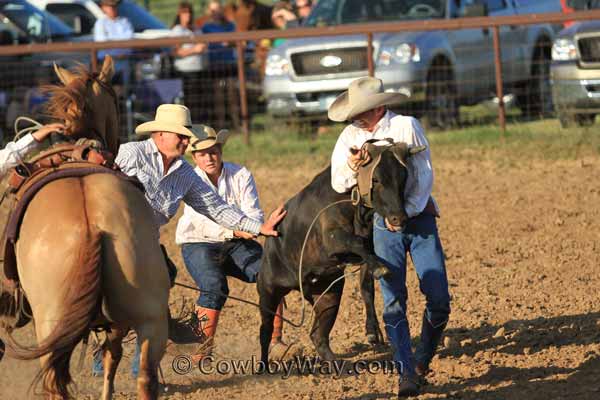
<point x="243" y="235"/>
<point x="268" y="228"/>
<point x="358" y="157"/>
<point x="46" y="130"/>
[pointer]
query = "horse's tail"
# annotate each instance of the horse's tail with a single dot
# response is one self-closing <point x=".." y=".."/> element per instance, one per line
<point x="81" y="305"/>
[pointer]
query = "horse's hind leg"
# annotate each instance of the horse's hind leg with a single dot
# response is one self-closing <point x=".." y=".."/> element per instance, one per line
<point x="152" y="338"/>
<point x="326" y="308"/>
<point x="367" y="290"/>
<point x="113" y="350"/>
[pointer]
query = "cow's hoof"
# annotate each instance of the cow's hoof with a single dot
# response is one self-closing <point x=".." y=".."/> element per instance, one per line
<point x="381" y="272"/>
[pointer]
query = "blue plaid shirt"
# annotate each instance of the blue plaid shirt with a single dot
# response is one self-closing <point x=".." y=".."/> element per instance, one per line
<point x="165" y="192"/>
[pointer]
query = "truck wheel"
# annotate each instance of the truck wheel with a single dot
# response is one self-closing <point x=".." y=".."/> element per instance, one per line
<point x="441" y="103"/>
<point x="568" y="120"/>
<point x="536" y="99"/>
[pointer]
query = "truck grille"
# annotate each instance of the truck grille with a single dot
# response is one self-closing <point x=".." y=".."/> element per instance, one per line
<point x="589" y="49"/>
<point x="339" y="61"/>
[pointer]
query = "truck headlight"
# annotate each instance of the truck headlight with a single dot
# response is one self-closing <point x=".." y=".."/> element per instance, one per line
<point x="276" y="65"/>
<point x="564" y="50"/>
<point x="401" y="54"/>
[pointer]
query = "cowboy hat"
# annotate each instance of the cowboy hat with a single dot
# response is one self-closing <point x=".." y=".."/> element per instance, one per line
<point x="206" y="137"/>
<point x="363" y="94"/>
<point x="169" y="118"/>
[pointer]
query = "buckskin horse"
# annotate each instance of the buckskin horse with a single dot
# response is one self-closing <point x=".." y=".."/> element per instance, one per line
<point x="88" y="254"/>
<point x="340" y="236"/>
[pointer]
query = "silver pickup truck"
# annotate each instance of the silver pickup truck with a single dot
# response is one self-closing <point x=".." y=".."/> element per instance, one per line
<point x="438" y="70"/>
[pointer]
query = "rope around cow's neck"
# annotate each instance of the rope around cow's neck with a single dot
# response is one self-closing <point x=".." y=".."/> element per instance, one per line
<point x="301" y="286"/>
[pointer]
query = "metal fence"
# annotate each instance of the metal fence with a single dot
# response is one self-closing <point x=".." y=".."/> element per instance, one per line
<point x="232" y="85"/>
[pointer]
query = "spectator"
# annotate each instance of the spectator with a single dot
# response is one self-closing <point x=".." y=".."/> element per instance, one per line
<point x="281" y="16"/>
<point x="190" y="60"/>
<point x="303" y="9"/>
<point x="114" y="27"/>
<point x="250" y="16"/>
<point x="222" y="70"/>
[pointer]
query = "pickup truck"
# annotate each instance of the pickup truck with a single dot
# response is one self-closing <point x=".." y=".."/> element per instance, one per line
<point x="438" y="70"/>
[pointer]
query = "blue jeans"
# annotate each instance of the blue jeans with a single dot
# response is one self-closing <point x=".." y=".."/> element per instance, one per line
<point x="210" y="264"/>
<point x="419" y="238"/>
<point x="98" y="367"/>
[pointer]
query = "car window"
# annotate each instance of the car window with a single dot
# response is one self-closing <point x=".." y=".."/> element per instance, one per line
<point x="335" y="12"/>
<point x="495" y="5"/>
<point x="75" y="15"/>
<point x="139" y="17"/>
<point x="583" y="4"/>
<point x="36" y="23"/>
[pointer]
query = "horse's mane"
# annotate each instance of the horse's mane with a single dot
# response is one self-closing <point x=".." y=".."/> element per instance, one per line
<point x="62" y="98"/>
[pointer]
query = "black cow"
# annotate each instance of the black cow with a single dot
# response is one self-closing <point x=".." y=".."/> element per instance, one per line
<point x="338" y="238"/>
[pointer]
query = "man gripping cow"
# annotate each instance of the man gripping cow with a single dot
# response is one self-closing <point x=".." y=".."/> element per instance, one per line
<point x="211" y="251"/>
<point x="364" y="106"/>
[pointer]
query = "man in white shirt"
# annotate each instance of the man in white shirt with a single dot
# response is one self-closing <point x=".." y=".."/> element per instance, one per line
<point x="212" y="252"/>
<point x="364" y="105"/>
<point x="114" y="27"/>
<point x="168" y="179"/>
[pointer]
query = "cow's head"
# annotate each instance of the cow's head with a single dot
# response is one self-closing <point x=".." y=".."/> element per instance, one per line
<point x="387" y="173"/>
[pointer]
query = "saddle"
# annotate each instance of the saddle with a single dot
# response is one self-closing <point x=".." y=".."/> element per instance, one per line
<point x="65" y="160"/>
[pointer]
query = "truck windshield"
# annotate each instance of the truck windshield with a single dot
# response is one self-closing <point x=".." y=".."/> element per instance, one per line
<point x="38" y="24"/>
<point x="337" y="12"/>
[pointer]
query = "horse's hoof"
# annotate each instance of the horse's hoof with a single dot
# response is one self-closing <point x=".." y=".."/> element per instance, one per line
<point x="381" y="272"/>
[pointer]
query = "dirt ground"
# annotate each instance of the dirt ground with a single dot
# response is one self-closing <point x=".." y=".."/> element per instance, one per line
<point x="522" y="241"/>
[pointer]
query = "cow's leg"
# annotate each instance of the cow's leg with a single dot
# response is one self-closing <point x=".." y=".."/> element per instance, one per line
<point x="340" y="242"/>
<point x="367" y="290"/>
<point x="269" y="299"/>
<point x="326" y="308"/>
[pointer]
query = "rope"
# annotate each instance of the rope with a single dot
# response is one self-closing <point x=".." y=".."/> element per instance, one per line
<point x="300" y="284"/>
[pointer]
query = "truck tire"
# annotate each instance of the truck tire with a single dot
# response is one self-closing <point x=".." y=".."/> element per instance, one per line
<point x="441" y="109"/>
<point x="536" y="97"/>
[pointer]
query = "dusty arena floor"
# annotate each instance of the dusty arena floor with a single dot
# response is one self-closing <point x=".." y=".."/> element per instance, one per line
<point x="522" y="240"/>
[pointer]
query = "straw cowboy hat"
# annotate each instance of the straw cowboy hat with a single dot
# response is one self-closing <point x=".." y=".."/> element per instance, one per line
<point x="206" y="137"/>
<point x="363" y="94"/>
<point x="169" y="118"/>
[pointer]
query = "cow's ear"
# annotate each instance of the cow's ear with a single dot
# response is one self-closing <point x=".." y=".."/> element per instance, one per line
<point x="416" y="149"/>
<point x="400" y="151"/>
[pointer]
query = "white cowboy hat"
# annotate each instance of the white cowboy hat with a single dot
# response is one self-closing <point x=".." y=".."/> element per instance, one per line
<point x="206" y="137"/>
<point x="169" y="118"/>
<point x="363" y="94"/>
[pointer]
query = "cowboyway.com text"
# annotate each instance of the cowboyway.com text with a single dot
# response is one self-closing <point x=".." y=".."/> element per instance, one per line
<point x="298" y="365"/>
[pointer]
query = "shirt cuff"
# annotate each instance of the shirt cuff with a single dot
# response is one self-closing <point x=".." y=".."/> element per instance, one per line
<point x="227" y="234"/>
<point x="251" y="225"/>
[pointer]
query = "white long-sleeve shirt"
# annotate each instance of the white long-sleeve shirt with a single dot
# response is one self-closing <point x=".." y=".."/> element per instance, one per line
<point x="236" y="186"/>
<point x="165" y="192"/>
<point x="12" y="155"/>
<point x="401" y="129"/>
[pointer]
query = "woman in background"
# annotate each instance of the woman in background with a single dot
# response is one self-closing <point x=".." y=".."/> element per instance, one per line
<point x="190" y="60"/>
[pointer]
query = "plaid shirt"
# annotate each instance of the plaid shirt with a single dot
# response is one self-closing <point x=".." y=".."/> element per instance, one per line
<point x="165" y="192"/>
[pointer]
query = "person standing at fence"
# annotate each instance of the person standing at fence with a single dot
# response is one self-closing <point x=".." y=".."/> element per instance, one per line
<point x="114" y="27"/>
<point x="364" y="105"/>
<point x="221" y="94"/>
<point x="212" y="252"/>
<point x="191" y="60"/>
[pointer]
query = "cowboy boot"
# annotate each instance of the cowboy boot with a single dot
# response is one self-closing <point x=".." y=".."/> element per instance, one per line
<point x="207" y="320"/>
<point x="430" y="339"/>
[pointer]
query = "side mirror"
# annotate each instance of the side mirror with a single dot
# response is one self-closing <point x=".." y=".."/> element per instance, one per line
<point x="474" y="10"/>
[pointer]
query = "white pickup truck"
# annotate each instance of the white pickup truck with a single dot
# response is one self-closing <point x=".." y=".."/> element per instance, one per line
<point x="438" y="70"/>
